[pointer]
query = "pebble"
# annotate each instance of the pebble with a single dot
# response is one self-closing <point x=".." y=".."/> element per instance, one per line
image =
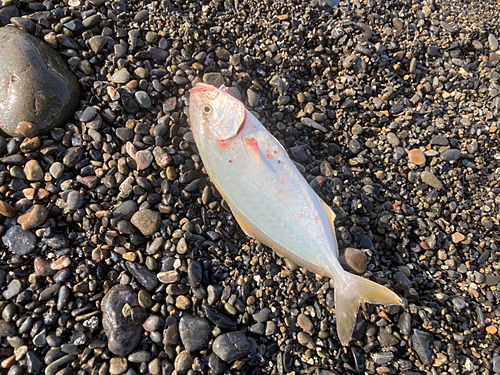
<point x="305" y="322"/>
<point x="56" y="169"/>
<point x="74" y="200"/>
<point x="416" y="156"/>
<point x="19" y="241"/>
<point x="354" y="260"/>
<point x="493" y="42"/>
<point x="430" y="179"/>
<point x="33" y="171"/>
<point x="27" y="129"/>
<point x="451" y="155"/>
<point x="33" y="217"/>
<point x="117" y="365"/>
<point x="421" y="344"/>
<point x="457" y="237"/>
<point x="147" y="221"/>
<point x="122" y="333"/>
<point x="143" y="275"/>
<point x="231" y="346"/>
<point x="143" y="158"/>
<point x="6" y="209"/>
<point x="194" y="332"/>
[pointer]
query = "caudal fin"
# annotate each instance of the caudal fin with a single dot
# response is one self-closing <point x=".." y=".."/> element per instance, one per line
<point x="350" y="294"/>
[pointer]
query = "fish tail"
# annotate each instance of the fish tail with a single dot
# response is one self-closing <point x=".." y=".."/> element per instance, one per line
<point x="350" y="293"/>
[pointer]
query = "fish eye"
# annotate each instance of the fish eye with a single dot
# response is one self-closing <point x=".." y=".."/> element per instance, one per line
<point x="206" y="110"/>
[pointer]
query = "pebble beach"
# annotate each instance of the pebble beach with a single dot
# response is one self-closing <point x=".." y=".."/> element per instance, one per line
<point x="117" y="253"/>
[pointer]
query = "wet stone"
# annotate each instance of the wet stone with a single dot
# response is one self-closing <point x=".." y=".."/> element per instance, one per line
<point x="231" y="346"/>
<point x="41" y="76"/>
<point x="143" y="275"/>
<point x="194" y="333"/>
<point x="123" y="334"/>
<point x="27" y="129"/>
<point x="19" y="241"/>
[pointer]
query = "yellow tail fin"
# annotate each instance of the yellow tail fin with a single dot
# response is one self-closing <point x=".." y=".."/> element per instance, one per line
<point x="349" y="294"/>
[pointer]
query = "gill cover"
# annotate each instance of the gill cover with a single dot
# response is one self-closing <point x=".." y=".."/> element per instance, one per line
<point x="220" y="112"/>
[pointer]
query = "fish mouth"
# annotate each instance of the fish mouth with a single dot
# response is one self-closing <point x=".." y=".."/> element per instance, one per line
<point x="209" y="92"/>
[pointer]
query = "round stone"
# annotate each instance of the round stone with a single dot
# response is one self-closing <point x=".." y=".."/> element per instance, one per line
<point x="34" y="73"/>
<point x="147" y="221"/>
<point x="74" y="200"/>
<point x="355" y="260"/>
<point x="7" y="210"/>
<point x="416" y="157"/>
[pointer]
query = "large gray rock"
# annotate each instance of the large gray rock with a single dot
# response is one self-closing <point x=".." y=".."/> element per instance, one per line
<point x="35" y="84"/>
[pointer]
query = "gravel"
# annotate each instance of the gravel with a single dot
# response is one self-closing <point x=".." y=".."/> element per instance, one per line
<point x="119" y="255"/>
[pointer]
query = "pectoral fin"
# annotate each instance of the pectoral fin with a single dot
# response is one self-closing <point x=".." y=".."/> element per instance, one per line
<point x="252" y="150"/>
<point x="331" y="218"/>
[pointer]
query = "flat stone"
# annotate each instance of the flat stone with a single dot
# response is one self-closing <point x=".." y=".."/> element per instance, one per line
<point x="431" y="180"/>
<point x="416" y="157"/>
<point x="451" y="155"/>
<point x="120" y="76"/>
<point x="147" y="221"/>
<point x="40" y="88"/>
<point x="13" y="289"/>
<point x="118" y="365"/>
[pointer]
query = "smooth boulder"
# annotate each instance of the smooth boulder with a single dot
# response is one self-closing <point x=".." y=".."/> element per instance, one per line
<point x="36" y="84"/>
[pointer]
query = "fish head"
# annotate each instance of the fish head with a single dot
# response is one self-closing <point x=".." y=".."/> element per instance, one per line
<point x="214" y="111"/>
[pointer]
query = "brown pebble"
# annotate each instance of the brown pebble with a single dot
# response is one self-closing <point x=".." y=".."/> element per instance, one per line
<point x="182" y="303"/>
<point x="457" y="237"/>
<point x="42" y="267"/>
<point x="27" y="129"/>
<point x="354" y="260"/>
<point x="168" y="277"/>
<point x="416" y="157"/>
<point x="7" y="210"/>
<point x="34" y="217"/>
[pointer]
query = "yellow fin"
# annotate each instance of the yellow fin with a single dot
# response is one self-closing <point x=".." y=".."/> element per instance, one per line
<point x="349" y="294"/>
<point x="331" y="218"/>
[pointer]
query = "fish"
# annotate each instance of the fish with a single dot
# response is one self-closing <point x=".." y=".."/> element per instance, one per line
<point x="271" y="200"/>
